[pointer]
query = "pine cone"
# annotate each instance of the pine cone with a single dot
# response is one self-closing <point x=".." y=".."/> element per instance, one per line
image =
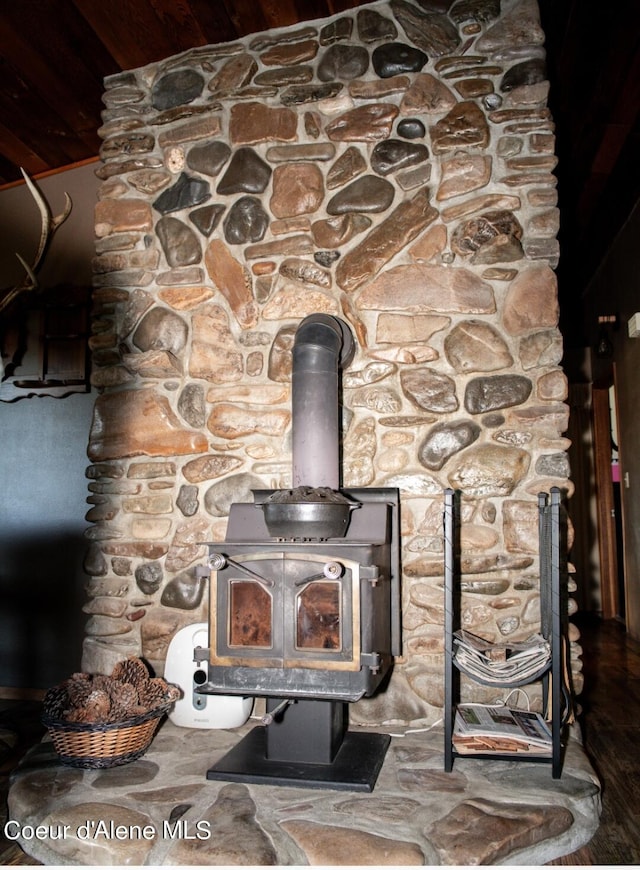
<point x="156" y="692"/>
<point x="131" y="670"/>
<point x="78" y="690"/>
<point x="56" y="701"/>
<point x="97" y="706"/>
<point x="78" y="714"/>
<point x="101" y="681"/>
<point x="124" y="699"/>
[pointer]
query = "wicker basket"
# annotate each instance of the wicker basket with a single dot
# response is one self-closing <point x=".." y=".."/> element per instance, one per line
<point x="104" y="745"/>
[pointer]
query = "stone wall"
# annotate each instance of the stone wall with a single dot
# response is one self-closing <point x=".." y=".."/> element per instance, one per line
<point x="392" y="166"/>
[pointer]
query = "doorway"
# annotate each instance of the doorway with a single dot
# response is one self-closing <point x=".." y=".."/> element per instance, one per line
<point x="608" y="483"/>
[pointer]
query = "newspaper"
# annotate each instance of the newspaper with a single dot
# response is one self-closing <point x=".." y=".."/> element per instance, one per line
<point x="510" y="663"/>
<point x="480" y="728"/>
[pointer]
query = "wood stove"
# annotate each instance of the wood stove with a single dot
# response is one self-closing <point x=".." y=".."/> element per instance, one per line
<point x="305" y="596"/>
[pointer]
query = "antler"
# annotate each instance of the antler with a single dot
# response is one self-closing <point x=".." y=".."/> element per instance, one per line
<point x="49" y="226"/>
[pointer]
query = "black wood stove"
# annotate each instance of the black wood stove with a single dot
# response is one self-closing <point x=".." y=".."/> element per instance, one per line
<point x="305" y="596"/>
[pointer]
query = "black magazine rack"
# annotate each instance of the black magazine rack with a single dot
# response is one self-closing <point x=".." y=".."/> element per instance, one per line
<point x="552" y="543"/>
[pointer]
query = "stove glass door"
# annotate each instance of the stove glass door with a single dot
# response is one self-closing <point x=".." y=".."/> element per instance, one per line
<point x="319" y="616"/>
<point x="298" y="618"/>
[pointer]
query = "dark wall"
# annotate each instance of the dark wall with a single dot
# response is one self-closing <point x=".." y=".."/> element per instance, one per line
<point x="43" y="458"/>
<point x="44" y="491"/>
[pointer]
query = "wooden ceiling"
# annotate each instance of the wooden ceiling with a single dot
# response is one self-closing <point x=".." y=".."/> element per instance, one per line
<point x="54" y="55"/>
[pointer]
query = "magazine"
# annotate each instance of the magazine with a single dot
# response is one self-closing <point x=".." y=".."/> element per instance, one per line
<point x="482" y="728"/>
<point x="510" y="663"/>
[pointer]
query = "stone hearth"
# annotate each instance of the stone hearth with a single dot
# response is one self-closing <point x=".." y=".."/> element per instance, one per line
<point x="484" y="812"/>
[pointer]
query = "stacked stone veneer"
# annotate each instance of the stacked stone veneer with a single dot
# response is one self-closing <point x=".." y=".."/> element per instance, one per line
<point x="392" y="166"/>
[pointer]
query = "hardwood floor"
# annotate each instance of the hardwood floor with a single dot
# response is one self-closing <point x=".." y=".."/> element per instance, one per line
<point x="610" y="719"/>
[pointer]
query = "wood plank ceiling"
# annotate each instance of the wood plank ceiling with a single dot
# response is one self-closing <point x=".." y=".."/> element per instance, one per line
<point x="54" y="55"/>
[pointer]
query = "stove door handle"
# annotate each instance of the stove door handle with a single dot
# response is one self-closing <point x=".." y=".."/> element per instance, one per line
<point x="331" y="571"/>
<point x="218" y="561"/>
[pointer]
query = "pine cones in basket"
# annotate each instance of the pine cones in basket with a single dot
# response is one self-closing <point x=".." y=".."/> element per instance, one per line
<point x="99" y="699"/>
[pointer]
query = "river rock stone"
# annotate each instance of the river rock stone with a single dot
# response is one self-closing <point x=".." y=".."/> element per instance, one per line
<point x="191" y="405"/>
<point x="176" y="88"/>
<point x="374" y="27"/>
<point x="179" y="243"/>
<point x="185" y="193"/>
<point x="529" y="72"/>
<point x="531" y="302"/>
<point x="553" y="465"/>
<point x="463" y="173"/>
<point x="286" y="75"/>
<point x="336" y="31"/>
<point x="465" y="126"/>
<point x="394" y="58"/>
<point x="444" y="440"/>
<point x="511" y="828"/>
<point x="312" y="93"/>
<point x="488" y="470"/>
<point x="232" y="280"/>
<point x="337" y="231"/>
<point x="403" y="328"/>
<point x="305" y="272"/>
<point x="363" y="262"/>
<point x="298" y="188"/>
<point x="343" y="62"/>
<point x="368" y="194"/>
<point x="246" y="221"/>
<point x="104" y="849"/>
<point x="127" y="144"/>
<point x="236" y="835"/>
<point x="214" y="355"/>
<point x="425" y="288"/>
<point x="149" y="577"/>
<point x="207" y="218"/>
<point x="121" y="216"/>
<point x="187" y="500"/>
<point x="236" y="488"/>
<point x="411" y="128"/>
<point x="228" y="421"/>
<point x="475" y="345"/>
<point x="350" y="164"/>
<point x="234" y="74"/>
<point x="432" y="32"/>
<point x="184" y="592"/>
<point x="496" y="391"/>
<point x="254" y="122"/>
<point x="247" y="172"/>
<point x="161" y="329"/>
<point x="394" y="154"/>
<point x="209" y="467"/>
<point x="427" y="94"/>
<point x="492" y="237"/>
<point x="475" y="10"/>
<point x="429" y="389"/>
<point x="333" y="846"/>
<point x="363" y="124"/>
<point x="518" y="26"/>
<point x="208" y="158"/>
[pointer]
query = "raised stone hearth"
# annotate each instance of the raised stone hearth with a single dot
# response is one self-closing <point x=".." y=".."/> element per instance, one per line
<point x="484" y="812"/>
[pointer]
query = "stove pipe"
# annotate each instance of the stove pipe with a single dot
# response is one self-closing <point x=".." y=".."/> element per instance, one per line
<point x="322" y="344"/>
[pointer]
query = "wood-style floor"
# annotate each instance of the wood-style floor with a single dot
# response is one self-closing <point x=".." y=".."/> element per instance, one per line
<point x="610" y="719"/>
<point x="610" y="722"/>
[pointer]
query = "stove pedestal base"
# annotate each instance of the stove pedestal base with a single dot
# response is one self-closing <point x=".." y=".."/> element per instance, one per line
<point x="355" y="766"/>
